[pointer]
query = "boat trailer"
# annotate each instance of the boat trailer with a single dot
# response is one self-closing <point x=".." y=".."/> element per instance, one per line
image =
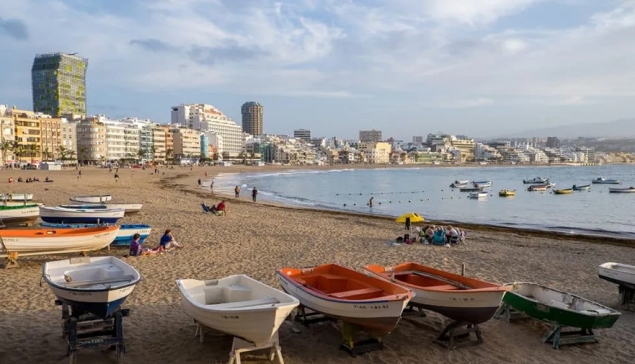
<point x="85" y="330"/>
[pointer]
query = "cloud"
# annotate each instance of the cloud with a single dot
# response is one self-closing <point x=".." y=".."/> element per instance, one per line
<point x="227" y="53"/>
<point x="154" y="45"/>
<point x="14" y="28"/>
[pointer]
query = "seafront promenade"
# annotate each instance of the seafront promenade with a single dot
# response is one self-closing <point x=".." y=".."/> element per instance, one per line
<point x="255" y="239"/>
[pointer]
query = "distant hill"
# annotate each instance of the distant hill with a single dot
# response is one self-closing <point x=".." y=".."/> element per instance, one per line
<point x="624" y="128"/>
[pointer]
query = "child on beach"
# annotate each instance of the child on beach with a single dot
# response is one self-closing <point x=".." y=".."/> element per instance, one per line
<point x="167" y="241"/>
<point x="137" y="250"/>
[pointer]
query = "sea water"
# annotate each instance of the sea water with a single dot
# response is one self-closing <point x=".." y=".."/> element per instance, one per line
<point x="426" y="191"/>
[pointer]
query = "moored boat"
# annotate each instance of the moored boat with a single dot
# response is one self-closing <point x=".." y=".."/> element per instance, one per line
<point x="537" y="188"/>
<point x="471" y="189"/>
<point x="507" y="193"/>
<point x="562" y="308"/>
<point x="536" y="180"/>
<point x="581" y="188"/>
<point x="55" y="241"/>
<point x="124" y="236"/>
<point x="621" y="274"/>
<point x="61" y="215"/>
<point x="98" y="285"/>
<point x="130" y="208"/>
<point x="93" y="198"/>
<point x="622" y="190"/>
<point x="482" y="184"/>
<point x="477" y="195"/>
<point x="371" y="303"/>
<point x="16" y="196"/>
<point x="457" y="297"/>
<point x="564" y="191"/>
<point x="459" y="184"/>
<point x="19" y="213"/>
<point x="604" y="181"/>
<point x="256" y="310"/>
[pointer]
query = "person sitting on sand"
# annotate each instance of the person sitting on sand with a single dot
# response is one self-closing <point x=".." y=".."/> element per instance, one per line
<point x="167" y="241"/>
<point x="221" y="208"/>
<point x="135" y="246"/>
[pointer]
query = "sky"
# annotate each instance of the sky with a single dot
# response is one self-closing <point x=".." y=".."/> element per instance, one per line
<point x="406" y="67"/>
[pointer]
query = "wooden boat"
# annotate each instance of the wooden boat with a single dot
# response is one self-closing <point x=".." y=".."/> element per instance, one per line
<point x="622" y="274"/>
<point x="19" y="214"/>
<point x="93" y="198"/>
<point x="55" y="241"/>
<point x="558" y="307"/>
<point x="471" y="189"/>
<point x="255" y="310"/>
<point x="373" y="304"/>
<point x="131" y="208"/>
<point x="459" y="184"/>
<point x="581" y="188"/>
<point x="477" y="195"/>
<point x="604" y="181"/>
<point x="622" y="190"/>
<point x="507" y="193"/>
<point x="98" y="285"/>
<point x="537" y="181"/>
<point x="19" y="203"/>
<point x="16" y="196"/>
<point x="61" y="215"/>
<point x="564" y="191"/>
<point x="124" y="236"/>
<point x="537" y="188"/>
<point x="483" y="184"/>
<point x="457" y="297"/>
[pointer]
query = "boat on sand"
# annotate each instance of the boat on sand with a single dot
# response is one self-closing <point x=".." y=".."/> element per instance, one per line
<point x="371" y="303"/>
<point x="62" y="215"/>
<point x="93" y="198"/>
<point x="130" y="208"/>
<point x="124" y="236"/>
<point x="98" y="285"/>
<point x="19" y="213"/>
<point x="16" y="196"/>
<point x="618" y="273"/>
<point x="459" y="298"/>
<point x="256" y="310"/>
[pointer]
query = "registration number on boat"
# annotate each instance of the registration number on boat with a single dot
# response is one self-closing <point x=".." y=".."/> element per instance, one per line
<point x="372" y="307"/>
<point x="464" y="299"/>
<point x="230" y="317"/>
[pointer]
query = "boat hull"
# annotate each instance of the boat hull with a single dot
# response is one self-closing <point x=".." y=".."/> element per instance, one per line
<point x="561" y="316"/>
<point x="582" y="188"/>
<point x="56" y="241"/>
<point x="377" y="318"/>
<point x="16" y="196"/>
<point x="130" y="208"/>
<point x="56" y="215"/>
<point x="622" y="190"/>
<point x="92" y="199"/>
<point x="19" y="213"/>
<point x="101" y="299"/>
<point x="124" y="236"/>
<point x="620" y="274"/>
<point x="563" y="192"/>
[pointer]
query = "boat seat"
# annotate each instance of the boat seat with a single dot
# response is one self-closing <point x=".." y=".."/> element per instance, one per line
<point x="444" y="287"/>
<point x="244" y="304"/>
<point x="559" y="304"/>
<point x="356" y="292"/>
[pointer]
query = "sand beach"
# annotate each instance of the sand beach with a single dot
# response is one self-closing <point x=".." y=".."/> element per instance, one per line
<point x="257" y="238"/>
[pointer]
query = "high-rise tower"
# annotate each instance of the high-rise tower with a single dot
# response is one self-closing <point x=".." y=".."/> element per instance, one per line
<point x="58" y="83"/>
<point x="252" y="113"/>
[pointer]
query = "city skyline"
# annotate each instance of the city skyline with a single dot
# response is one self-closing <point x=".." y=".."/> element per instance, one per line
<point x="403" y="67"/>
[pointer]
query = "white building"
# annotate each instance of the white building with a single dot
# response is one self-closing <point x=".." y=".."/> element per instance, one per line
<point x="210" y="121"/>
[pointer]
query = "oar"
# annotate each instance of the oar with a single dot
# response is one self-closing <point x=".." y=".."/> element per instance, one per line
<point x="80" y="284"/>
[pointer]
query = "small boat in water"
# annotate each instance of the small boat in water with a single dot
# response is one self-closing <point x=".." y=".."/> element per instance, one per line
<point x="459" y="184"/>
<point x="482" y="184"/>
<point x="371" y="303"/>
<point x="457" y="297"/>
<point x="622" y="190"/>
<point x="124" y="236"/>
<point x="20" y="213"/>
<point x="536" y="181"/>
<point x="604" y="181"/>
<point x="92" y="198"/>
<point x="61" y="215"/>
<point x="256" y="310"/>
<point x="564" y="191"/>
<point x="537" y="188"/>
<point x="55" y="241"/>
<point x="581" y="188"/>
<point x="130" y="208"/>
<point x="621" y="274"/>
<point x="558" y="307"/>
<point x="477" y="195"/>
<point x="471" y="189"/>
<point x="98" y="285"/>
<point x="16" y="196"/>
<point x="507" y="193"/>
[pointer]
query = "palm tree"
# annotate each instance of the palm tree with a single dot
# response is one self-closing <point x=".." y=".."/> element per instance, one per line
<point x="46" y="154"/>
<point x="33" y="149"/>
<point x="141" y="154"/>
<point x="169" y="154"/>
<point x="5" y="146"/>
<point x="71" y="154"/>
<point x="62" y="151"/>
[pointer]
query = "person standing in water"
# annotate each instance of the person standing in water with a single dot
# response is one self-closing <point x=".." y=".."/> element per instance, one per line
<point x="237" y="191"/>
<point x="254" y="193"/>
<point x="370" y="202"/>
<point x="211" y="186"/>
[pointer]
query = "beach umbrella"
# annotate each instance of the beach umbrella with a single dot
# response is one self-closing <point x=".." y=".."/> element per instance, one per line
<point x="414" y="217"/>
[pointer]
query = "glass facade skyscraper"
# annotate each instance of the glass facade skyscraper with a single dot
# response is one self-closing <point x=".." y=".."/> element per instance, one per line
<point x="58" y="83"/>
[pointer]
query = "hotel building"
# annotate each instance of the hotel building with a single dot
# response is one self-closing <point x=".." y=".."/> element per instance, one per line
<point x="91" y="139"/>
<point x="187" y="142"/>
<point x="58" y="83"/>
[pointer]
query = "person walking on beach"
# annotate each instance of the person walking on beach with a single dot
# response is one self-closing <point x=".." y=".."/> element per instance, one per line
<point x="370" y="202"/>
<point x="237" y="191"/>
<point x="254" y="193"/>
<point x="211" y="186"/>
<point x="199" y="182"/>
<point x="407" y="224"/>
<point x="116" y="177"/>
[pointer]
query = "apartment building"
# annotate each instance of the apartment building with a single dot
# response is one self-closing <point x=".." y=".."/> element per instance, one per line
<point x="169" y="141"/>
<point x="187" y="142"/>
<point x="7" y="135"/>
<point x="51" y="132"/>
<point x="28" y="135"/>
<point x="370" y="136"/>
<point x="91" y="139"/>
<point x="158" y="144"/>
<point x="303" y="134"/>
<point x="375" y="152"/>
<point x="69" y="141"/>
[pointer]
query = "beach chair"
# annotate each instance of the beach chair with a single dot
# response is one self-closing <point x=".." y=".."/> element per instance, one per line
<point x="438" y="238"/>
<point x="206" y="209"/>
